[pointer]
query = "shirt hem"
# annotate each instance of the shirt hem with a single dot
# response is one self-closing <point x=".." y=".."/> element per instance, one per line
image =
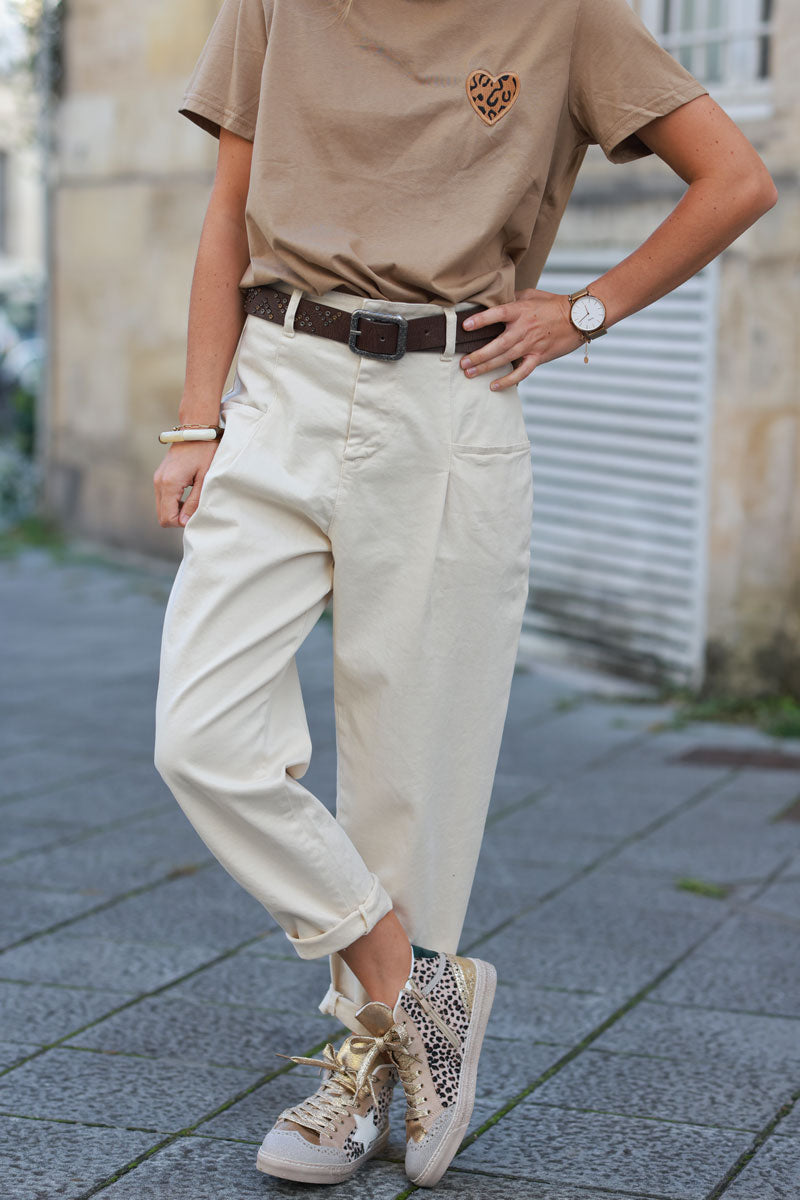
<point x="628" y="125"/>
<point x="211" y="117"/>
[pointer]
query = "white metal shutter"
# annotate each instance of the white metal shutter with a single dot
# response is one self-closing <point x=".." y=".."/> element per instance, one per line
<point x="620" y="465"/>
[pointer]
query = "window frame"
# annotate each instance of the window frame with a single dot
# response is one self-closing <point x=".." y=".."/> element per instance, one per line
<point x="743" y="95"/>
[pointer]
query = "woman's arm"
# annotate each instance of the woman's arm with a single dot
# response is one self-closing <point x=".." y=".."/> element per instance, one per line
<point x="729" y="189"/>
<point x="215" y="325"/>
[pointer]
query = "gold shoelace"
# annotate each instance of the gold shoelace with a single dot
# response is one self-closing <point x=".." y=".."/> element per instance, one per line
<point x="343" y="1089"/>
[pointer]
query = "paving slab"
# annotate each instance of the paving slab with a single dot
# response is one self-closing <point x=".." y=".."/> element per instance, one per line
<point x="671" y="1089"/>
<point x="506" y="1068"/>
<point x="613" y="899"/>
<point x="570" y="742"/>
<point x="203" y="907"/>
<point x="752" y="964"/>
<point x="523" y="831"/>
<point x="114" y="861"/>
<point x="504" y="886"/>
<point x="620" y="798"/>
<point x="45" y="1159"/>
<point x="28" y="771"/>
<point x="781" y="898"/>
<point x="13" y="1052"/>
<point x="115" y="966"/>
<point x="25" y="911"/>
<point x="523" y="1011"/>
<point x="570" y="846"/>
<point x="707" y="1035"/>
<point x="111" y="796"/>
<point x="585" y="1149"/>
<point x="219" y="1034"/>
<point x="772" y="1174"/>
<point x="259" y="980"/>
<point x="197" y="1166"/>
<point x="20" y="837"/>
<point x="32" y="1012"/>
<point x="474" y="1186"/>
<point x="586" y="963"/>
<point x="108" y="1089"/>
<point x="789" y="1126"/>
<point x="610" y="935"/>
<point x="731" y="834"/>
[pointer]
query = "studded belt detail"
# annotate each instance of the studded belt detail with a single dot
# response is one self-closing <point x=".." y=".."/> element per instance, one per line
<point x="369" y="332"/>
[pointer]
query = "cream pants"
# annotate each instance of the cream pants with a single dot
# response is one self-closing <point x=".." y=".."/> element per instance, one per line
<point x="403" y="490"/>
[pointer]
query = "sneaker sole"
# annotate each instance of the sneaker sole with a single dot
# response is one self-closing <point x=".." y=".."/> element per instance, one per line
<point x="437" y="1164"/>
<point x="303" y="1172"/>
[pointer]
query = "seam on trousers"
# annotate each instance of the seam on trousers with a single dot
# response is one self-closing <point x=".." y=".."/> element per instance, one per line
<point x="339" y="740"/>
<point x="344" y="448"/>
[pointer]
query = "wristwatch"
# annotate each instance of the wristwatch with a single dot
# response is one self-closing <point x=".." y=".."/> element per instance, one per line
<point x="587" y="313"/>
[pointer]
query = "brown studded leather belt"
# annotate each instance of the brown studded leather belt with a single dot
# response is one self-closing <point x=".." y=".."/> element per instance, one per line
<point x="369" y="332"/>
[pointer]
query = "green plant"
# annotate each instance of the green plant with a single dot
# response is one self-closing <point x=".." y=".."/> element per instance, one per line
<point x="701" y="887"/>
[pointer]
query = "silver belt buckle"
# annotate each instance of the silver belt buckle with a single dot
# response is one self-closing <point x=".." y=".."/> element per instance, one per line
<point x="395" y="319"/>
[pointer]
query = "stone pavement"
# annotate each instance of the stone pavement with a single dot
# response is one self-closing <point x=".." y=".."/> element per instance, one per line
<point x="645" y="1041"/>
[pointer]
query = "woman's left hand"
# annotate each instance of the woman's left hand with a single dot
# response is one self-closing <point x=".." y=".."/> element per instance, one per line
<point x="537" y="329"/>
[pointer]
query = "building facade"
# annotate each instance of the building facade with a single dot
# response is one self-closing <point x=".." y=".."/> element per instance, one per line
<point x="666" y="536"/>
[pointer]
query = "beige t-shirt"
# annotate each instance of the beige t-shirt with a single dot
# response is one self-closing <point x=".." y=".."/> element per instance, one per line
<point x="424" y="150"/>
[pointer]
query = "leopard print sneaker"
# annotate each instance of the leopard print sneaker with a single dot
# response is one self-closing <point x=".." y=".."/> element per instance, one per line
<point x="434" y="1035"/>
<point x="345" y="1122"/>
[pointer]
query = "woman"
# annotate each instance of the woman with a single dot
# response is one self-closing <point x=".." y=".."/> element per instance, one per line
<point x="391" y="176"/>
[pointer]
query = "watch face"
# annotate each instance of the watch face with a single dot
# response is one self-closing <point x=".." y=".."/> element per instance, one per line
<point x="588" y="313"/>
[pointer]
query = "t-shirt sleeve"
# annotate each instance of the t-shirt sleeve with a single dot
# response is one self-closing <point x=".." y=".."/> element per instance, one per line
<point x="621" y="78"/>
<point x="224" y="88"/>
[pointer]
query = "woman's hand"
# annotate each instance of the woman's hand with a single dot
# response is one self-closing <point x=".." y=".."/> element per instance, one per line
<point x="537" y="329"/>
<point x="184" y="465"/>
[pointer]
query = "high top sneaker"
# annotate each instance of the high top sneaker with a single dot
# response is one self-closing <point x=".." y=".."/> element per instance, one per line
<point x="327" y="1137"/>
<point x="434" y="1035"/>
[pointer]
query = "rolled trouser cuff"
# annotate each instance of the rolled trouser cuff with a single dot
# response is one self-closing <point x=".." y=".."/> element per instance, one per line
<point x="358" y="922"/>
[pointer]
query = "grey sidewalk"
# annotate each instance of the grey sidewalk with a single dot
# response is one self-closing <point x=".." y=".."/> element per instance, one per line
<point x="645" y="1041"/>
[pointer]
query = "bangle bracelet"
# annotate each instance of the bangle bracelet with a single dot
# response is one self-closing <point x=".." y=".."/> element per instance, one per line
<point x="192" y="433"/>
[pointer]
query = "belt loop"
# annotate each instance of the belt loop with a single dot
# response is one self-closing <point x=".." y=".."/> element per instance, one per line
<point x="288" y="320"/>
<point x="451" y="322"/>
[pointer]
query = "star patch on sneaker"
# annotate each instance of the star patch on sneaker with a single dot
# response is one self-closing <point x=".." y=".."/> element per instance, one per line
<point x="492" y="95"/>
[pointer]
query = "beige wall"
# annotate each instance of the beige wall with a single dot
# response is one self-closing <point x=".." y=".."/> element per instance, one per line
<point x="133" y="182"/>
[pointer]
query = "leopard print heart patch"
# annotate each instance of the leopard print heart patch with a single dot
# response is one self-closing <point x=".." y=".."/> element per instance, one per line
<point x="492" y="95"/>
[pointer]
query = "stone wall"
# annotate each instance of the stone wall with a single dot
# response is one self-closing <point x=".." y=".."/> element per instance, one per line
<point x="132" y="186"/>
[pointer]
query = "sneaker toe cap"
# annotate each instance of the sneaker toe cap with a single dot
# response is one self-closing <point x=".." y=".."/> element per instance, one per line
<point x="289" y="1147"/>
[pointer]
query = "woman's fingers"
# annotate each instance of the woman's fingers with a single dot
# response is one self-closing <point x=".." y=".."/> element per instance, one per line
<point x="520" y="372"/>
<point x="499" y="350"/>
<point x="184" y="466"/>
<point x="499" y="315"/>
<point x="191" y="502"/>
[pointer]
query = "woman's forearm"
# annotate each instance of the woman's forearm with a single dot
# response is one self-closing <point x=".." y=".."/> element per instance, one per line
<point x="216" y="316"/>
<point x="710" y="215"/>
